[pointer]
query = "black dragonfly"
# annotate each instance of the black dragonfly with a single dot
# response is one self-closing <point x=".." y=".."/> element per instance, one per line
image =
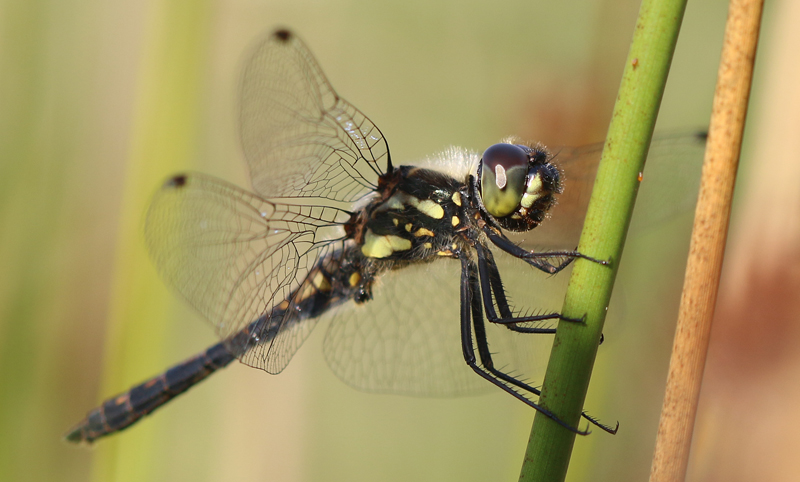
<point x="335" y="230"/>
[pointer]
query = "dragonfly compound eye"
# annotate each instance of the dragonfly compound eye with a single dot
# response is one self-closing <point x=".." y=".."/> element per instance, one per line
<point x="504" y="168"/>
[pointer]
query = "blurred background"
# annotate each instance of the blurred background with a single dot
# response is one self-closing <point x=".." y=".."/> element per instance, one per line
<point x="101" y="100"/>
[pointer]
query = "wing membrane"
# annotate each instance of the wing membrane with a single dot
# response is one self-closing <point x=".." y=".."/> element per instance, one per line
<point x="234" y="256"/>
<point x="299" y="137"/>
<point x="407" y="339"/>
<point x="669" y="187"/>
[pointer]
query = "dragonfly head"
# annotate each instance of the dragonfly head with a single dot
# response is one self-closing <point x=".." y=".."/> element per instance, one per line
<point x="517" y="184"/>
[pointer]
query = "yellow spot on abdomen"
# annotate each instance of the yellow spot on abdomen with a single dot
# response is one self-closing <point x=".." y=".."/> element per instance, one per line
<point x="321" y="282"/>
<point x="305" y="291"/>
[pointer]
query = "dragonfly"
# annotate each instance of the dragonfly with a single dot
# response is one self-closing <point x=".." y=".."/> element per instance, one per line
<point x="403" y="261"/>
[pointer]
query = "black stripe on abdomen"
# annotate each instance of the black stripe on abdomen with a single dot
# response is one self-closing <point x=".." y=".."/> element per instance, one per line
<point x="121" y="411"/>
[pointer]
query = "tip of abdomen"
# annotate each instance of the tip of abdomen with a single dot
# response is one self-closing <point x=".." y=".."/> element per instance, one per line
<point x="77" y="434"/>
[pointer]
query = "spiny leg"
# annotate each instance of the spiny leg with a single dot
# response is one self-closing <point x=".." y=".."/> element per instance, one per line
<point x="491" y="283"/>
<point x="536" y="259"/>
<point x="490" y="279"/>
<point x="471" y="307"/>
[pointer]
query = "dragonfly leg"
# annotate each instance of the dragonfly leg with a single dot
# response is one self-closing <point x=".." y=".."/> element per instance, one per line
<point x="490" y="279"/>
<point x="491" y="283"/>
<point x="471" y="309"/>
<point x="536" y="259"/>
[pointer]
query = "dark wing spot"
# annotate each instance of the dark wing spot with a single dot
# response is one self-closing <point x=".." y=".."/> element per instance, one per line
<point x="177" y="181"/>
<point x="283" y="35"/>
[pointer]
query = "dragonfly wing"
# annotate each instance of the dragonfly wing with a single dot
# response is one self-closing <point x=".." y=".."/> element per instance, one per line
<point x="407" y="340"/>
<point x="669" y="187"/>
<point x="299" y="137"/>
<point x="234" y="256"/>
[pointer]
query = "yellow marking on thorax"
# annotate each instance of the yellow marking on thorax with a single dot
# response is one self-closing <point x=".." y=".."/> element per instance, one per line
<point x="454" y="221"/>
<point x="354" y="279"/>
<point x="457" y="198"/>
<point x="423" y="232"/>
<point x="426" y="207"/>
<point x="383" y="246"/>
<point x="431" y="209"/>
<point x="398" y="243"/>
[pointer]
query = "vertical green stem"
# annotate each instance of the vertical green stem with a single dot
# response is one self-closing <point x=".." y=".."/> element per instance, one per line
<point x="34" y="160"/>
<point x="163" y="140"/>
<point x="603" y="237"/>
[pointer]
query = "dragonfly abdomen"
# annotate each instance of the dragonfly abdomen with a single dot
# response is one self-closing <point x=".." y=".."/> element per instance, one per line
<point x="118" y="413"/>
<point x="329" y="284"/>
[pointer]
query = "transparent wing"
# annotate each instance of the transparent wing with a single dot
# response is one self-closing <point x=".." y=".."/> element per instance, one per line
<point x="234" y="256"/>
<point x="669" y="187"/>
<point x="407" y="340"/>
<point x="299" y="137"/>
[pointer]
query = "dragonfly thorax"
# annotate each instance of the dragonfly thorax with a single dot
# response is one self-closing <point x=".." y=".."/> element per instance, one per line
<point x="414" y="215"/>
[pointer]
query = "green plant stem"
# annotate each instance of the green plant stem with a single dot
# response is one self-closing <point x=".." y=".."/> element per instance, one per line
<point x="603" y="237"/>
<point x="163" y="141"/>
